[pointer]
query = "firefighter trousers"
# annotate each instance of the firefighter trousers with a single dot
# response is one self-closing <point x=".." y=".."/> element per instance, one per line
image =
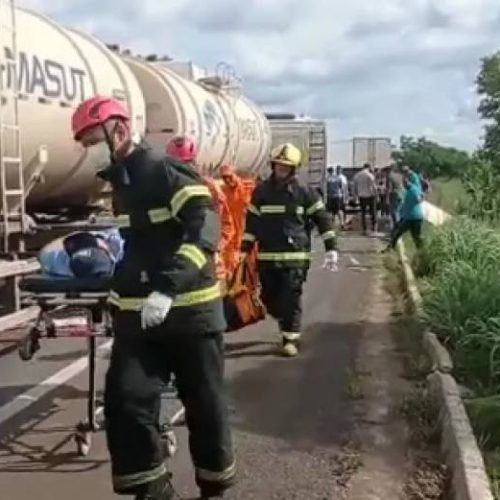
<point x="138" y="371"/>
<point x="282" y="296"/>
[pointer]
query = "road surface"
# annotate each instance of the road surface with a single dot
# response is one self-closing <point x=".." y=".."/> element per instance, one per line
<point x="293" y="420"/>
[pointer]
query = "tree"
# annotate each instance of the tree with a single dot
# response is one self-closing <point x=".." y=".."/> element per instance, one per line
<point x="488" y="87"/>
<point x="431" y="158"/>
<point x="482" y="185"/>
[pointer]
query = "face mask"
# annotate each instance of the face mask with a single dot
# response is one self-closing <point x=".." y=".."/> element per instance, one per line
<point x="98" y="156"/>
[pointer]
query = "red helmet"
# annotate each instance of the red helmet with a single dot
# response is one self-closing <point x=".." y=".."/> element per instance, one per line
<point x="96" y="111"/>
<point x="182" y="148"/>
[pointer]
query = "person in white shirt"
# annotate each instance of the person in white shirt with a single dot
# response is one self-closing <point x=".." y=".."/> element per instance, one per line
<point x="336" y="193"/>
<point x="365" y="190"/>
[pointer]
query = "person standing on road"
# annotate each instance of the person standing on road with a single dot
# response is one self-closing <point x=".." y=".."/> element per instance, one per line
<point x="395" y="191"/>
<point x="365" y="190"/>
<point x="278" y="222"/>
<point x="412" y="214"/>
<point x="336" y="194"/>
<point x="167" y="310"/>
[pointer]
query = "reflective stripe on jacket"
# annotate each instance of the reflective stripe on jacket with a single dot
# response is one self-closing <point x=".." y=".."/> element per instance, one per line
<point x="279" y="220"/>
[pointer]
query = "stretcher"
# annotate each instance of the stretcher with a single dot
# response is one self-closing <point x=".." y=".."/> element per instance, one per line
<point x="78" y="308"/>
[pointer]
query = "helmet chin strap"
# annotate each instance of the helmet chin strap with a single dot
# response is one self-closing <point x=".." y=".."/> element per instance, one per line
<point x="109" y="142"/>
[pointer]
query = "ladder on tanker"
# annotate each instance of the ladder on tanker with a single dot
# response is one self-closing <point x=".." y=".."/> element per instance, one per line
<point x="13" y="202"/>
<point x="317" y="156"/>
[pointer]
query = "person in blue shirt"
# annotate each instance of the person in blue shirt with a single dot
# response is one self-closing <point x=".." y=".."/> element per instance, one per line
<point x="411" y="212"/>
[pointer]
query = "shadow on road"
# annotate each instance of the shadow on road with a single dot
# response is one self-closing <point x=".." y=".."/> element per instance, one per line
<point x="64" y="356"/>
<point x="27" y="439"/>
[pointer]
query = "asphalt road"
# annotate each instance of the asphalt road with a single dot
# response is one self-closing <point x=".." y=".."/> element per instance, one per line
<point x="292" y="419"/>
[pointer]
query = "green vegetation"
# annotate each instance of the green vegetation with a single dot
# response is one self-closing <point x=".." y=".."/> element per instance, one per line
<point x="448" y="194"/>
<point x="459" y="276"/>
<point x="431" y="158"/>
<point x="459" y="266"/>
<point x="460" y="271"/>
<point x="488" y="86"/>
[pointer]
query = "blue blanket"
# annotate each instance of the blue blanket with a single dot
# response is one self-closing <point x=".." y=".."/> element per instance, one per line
<point x="57" y="262"/>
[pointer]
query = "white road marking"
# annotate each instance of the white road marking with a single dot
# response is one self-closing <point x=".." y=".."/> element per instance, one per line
<point x="177" y="416"/>
<point x="354" y="261"/>
<point x="26" y="399"/>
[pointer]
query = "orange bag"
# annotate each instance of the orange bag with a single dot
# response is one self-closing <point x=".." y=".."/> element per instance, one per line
<point x="242" y="304"/>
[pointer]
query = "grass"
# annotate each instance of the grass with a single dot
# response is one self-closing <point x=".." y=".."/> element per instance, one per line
<point x="492" y="460"/>
<point x="458" y="272"/>
<point x="459" y="268"/>
<point x="449" y="194"/>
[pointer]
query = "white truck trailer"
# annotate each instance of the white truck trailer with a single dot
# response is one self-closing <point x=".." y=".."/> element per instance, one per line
<point x="307" y="134"/>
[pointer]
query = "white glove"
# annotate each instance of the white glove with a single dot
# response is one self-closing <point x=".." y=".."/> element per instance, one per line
<point x="155" y="310"/>
<point x="331" y="261"/>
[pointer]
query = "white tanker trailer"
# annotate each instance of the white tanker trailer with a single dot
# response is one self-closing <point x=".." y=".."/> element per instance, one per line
<point x="227" y="127"/>
<point x="59" y="67"/>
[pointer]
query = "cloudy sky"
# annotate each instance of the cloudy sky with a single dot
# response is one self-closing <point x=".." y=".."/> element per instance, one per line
<point x="384" y="68"/>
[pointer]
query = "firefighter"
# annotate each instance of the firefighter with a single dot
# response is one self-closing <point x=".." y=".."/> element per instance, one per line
<point x="184" y="149"/>
<point x="167" y="310"/>
<point x="278" y="219"/>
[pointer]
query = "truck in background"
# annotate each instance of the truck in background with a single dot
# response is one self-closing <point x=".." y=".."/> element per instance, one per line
<point x="309" y="135"/>
<point x="377" y="151"/>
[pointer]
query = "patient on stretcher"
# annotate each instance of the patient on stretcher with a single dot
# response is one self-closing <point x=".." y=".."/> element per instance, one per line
<point x="82" y="254"/>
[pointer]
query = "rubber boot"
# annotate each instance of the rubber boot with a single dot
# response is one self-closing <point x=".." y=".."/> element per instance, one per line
<point x="158" y="490"/>
<point x="289" y="349"/>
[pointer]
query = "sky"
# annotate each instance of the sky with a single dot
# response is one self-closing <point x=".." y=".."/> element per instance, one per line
<point x="382" y="68"/>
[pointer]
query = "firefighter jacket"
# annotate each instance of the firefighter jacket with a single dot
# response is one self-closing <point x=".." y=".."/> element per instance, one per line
<point x="170" y="225"/>
<point x="279" y="219"/>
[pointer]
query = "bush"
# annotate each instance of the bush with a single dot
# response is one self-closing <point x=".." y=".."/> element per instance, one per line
<point x="461" y="267"/>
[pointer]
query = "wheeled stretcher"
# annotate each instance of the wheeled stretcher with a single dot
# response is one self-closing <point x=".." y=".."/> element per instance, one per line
<point x="78" y="308"/>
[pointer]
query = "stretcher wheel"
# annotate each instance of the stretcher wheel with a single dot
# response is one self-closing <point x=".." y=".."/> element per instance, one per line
<point x="83" y="442"/>
<point x="169" y="442"/>
<point x="29" y="345"/>
<point x="51" y="331"/>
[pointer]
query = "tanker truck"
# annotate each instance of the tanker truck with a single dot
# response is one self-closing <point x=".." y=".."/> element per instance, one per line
<point x="54" y="175"/>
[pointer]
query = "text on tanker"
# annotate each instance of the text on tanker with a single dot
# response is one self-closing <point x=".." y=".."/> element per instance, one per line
<point x="45" y="78"/>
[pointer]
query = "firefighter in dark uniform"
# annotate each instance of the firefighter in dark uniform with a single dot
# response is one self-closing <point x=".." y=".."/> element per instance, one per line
<point x="278" y="220"/>
<point x="168" y="315"/>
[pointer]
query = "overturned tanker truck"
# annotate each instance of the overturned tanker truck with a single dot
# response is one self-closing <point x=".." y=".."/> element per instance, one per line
<point x="43" y="171"/>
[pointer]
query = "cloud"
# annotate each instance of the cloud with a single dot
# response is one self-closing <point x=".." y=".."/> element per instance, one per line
<point x="253" y="16"/>
<point x="381" y="68"/>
